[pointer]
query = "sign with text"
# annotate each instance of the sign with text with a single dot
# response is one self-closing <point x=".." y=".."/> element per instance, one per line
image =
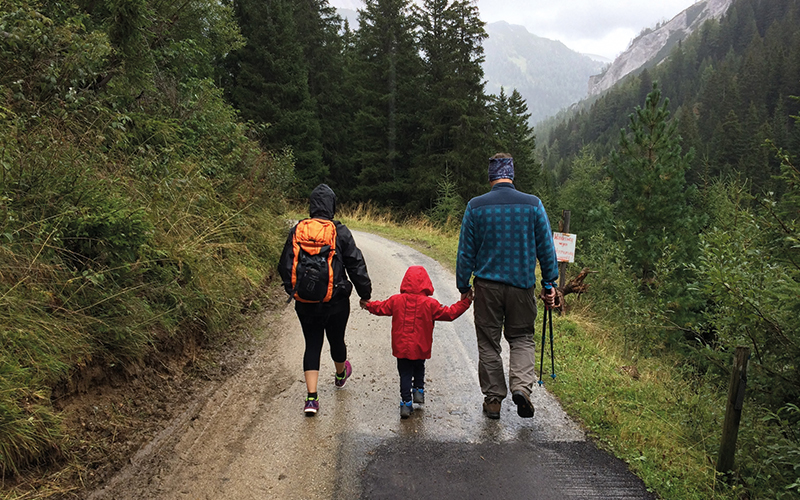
<point x="565" y="246"/>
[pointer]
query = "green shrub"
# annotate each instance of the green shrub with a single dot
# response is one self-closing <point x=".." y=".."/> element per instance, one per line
<point x="124" y="220"/>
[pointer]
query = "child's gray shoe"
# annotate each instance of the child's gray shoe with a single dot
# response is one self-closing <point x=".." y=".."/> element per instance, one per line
<point x="406" y="408"/>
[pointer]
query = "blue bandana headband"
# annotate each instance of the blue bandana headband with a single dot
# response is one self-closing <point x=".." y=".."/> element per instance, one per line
<point x="501" y="168"/>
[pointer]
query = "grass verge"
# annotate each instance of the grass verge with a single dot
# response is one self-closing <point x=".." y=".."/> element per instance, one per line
<point x="643" y="410"/>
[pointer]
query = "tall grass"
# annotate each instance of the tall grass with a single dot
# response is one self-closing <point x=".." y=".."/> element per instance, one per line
<point x="641" y="402"/>
<point x="108" y="249"/>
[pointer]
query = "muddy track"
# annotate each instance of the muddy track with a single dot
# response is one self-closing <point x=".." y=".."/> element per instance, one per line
<point x="246" y="437"/>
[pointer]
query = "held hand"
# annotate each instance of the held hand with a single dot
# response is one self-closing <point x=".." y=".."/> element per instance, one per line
<point x="363" y="304"/>
<point x="549" y="298"/>
<point x="468" y="295"/>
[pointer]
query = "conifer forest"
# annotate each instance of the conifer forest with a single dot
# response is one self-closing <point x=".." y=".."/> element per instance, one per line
<point x="149" y="151"/>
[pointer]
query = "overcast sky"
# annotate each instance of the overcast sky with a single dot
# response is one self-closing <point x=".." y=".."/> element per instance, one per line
<point x="601" y="27"/>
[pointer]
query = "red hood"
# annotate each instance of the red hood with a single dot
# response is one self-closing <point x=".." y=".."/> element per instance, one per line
<point x="417" y="280"/>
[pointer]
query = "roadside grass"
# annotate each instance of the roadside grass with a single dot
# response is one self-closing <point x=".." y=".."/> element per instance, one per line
<point x="646" y="411"/>
<point x="102" y="268"/>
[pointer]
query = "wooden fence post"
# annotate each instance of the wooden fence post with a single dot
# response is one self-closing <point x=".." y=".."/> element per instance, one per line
<point x="733" y="412"/>
<point x="563" y="227"/>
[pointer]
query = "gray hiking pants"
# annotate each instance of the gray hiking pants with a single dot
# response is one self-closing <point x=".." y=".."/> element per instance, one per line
<point x="502" y="309"/>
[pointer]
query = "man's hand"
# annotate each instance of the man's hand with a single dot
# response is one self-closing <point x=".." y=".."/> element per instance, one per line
<point x="549" y="297"/>
<point x="363" y="304"/>
<point x="470" y="294"/>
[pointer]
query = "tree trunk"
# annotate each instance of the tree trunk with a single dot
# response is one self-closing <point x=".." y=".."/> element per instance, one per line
<point x="575" y="285"/>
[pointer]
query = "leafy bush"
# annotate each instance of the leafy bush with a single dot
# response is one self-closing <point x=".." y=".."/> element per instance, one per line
<point x="770" y="464"/>
<point x="124" y="220"/>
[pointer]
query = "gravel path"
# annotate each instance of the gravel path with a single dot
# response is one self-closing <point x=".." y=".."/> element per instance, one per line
<point x="249" y="439"/>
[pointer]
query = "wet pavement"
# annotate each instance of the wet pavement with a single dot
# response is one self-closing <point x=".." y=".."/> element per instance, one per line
<point x="248" y="437"/>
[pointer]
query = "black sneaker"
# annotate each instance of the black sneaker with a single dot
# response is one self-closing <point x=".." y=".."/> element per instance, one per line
<point x="418" y="395"/>
<point x="406" y="408"/>
<point x="524" y="406"/>
<point x="491" y="407"/>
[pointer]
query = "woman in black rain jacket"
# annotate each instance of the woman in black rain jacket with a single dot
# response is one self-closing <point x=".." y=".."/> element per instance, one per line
<point x="327" y="319"/>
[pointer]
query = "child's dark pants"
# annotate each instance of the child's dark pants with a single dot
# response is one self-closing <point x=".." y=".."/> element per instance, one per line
<point x="412" y="374"/>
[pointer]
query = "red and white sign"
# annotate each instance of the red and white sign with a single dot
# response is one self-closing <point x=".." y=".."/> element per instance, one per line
<point x="565" y="246"/>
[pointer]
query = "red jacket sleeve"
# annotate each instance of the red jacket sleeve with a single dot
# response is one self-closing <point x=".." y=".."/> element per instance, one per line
<point x="380" y="307"/>
<point x="449" y="313"/>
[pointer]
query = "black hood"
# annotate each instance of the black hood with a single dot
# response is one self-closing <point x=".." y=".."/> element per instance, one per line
<point x="322" y="202"/>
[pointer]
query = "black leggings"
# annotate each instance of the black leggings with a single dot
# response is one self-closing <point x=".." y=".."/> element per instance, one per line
<point x="324" y="323"/>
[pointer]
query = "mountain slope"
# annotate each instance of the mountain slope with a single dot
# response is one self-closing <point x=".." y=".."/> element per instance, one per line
<point x="547" y="74"/>
<point x="653" y="46"/>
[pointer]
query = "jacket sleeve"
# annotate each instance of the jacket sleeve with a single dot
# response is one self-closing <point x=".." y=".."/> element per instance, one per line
<point x="449" y="313"/>
<point x="286" y="261"/>
<point x="546" y="249"/>
<point x="465" y="262"/>
<point x="380" y="307"/>
<point x="353" y="261"/>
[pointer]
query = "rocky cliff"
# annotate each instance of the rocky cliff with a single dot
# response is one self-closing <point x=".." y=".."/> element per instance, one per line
<point x="653" y="46"/>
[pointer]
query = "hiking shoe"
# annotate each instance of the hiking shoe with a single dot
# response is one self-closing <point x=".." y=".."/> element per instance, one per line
<point x="348" y="370"/>
<point x="524" y="406"/>
<point x="406" y="408"/>
<point x="491" y="407"/>
<point x="418" y="395"/>
<point x="312" y="406"/>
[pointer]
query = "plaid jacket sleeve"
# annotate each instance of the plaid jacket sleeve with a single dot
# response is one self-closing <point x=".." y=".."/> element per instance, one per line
<point x="546" y="249"/>
<point x="465" y="263"/>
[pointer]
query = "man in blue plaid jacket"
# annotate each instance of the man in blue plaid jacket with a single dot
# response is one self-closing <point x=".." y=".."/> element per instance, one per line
<point x="503" y="233"/>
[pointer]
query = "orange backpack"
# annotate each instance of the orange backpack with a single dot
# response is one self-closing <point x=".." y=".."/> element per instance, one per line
<point x="314" y="247"/>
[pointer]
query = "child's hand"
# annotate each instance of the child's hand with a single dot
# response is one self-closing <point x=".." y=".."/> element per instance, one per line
<point x="470" y="295"/>
<point x="363" y="304"/>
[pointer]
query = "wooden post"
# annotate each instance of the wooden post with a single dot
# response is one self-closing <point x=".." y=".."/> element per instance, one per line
<point x="562" y="266"/>
<point x="563" y="227"/>
<point x="733" y="412"/>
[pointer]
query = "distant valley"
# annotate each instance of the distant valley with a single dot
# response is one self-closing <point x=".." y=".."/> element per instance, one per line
<point x="547" y="74"/>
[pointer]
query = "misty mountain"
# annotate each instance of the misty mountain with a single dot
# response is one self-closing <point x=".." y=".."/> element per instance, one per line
<point x="547" y="74"/>
<point x="652" y="46"/>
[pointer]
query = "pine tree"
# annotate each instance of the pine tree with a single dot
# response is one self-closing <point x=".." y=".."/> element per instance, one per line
<point x="514" y="135"/>
<point x="648" y="171"/>
<point x="387" y="69"/>
<point x="269" y="85"/>
<point x="587" y="195"/>
<point x="454" y="111"/>
<point x="343" y="147"/>
<point x="727" y="145"/>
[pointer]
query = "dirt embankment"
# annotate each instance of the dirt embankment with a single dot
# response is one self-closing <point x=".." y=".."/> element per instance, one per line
<point x="110" y="411"/>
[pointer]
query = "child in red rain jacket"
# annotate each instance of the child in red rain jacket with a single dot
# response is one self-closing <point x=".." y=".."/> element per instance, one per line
<point x="413" y="312"/>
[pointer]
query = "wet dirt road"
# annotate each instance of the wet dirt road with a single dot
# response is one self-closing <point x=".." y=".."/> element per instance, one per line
<point x="248" y="438"/>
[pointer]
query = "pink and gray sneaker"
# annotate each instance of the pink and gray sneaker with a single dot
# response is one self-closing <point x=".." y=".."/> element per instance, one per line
<point x="348" y="370"/>
<point x="312" y="406"/>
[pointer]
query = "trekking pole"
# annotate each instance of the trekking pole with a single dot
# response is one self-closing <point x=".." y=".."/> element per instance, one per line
<point x="544" y="330"/>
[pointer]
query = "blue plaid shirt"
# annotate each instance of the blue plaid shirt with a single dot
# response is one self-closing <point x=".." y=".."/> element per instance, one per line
<point x="502" y="234"/>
